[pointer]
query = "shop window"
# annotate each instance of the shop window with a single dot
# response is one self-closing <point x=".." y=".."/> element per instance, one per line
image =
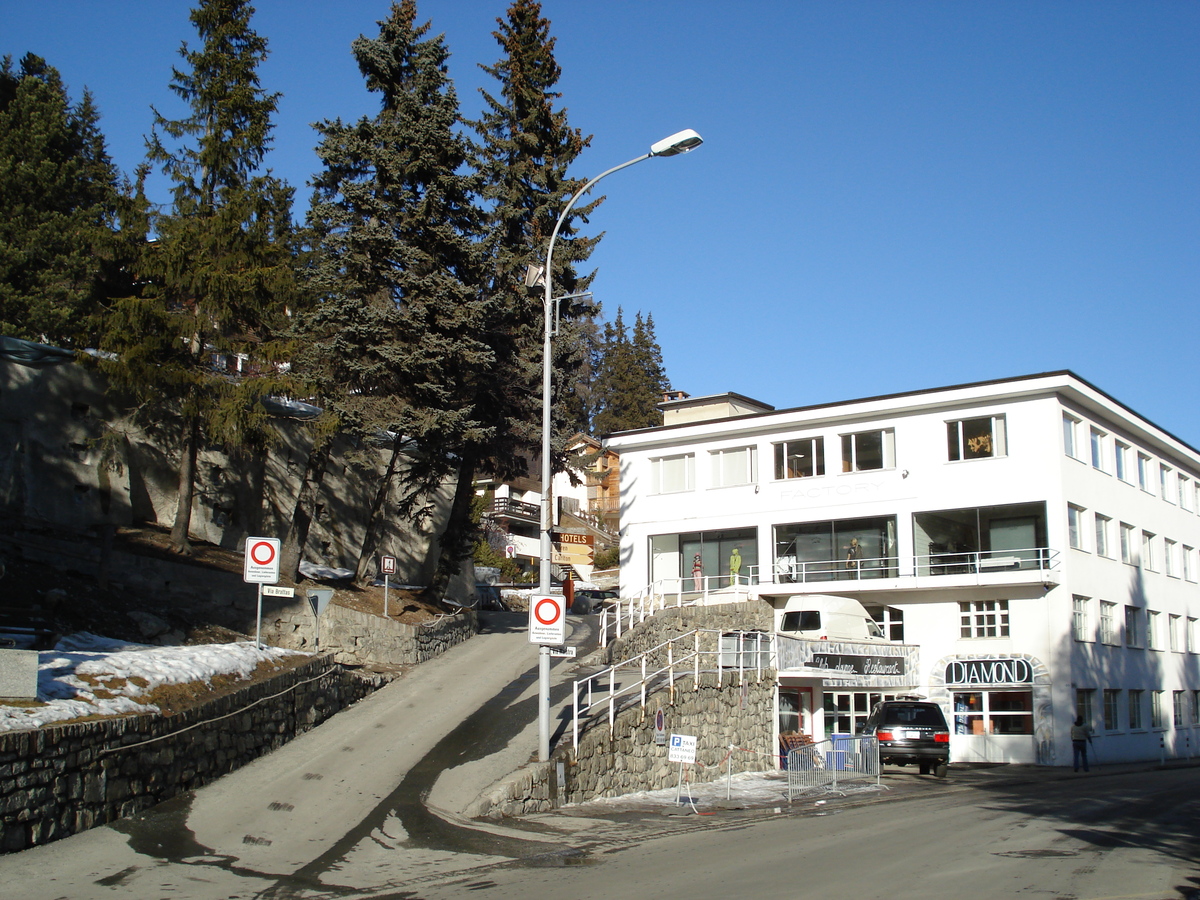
<point x="673" y="474"/>
<point x="845" y="549"/>
<point x="1112" y="700"/>
<point x="735" y="465"/>
<point x="676" y="555"/>
<point x="846" y="711"/>
<point x="993" y="712"/>
<point x="981" y="438"/>
<point x="1136" y="723"/>
<point x="869" y="450"/>
<point x="980" y="539"/>
<point x="803" y="458"/>
<point x="983" y="619"/>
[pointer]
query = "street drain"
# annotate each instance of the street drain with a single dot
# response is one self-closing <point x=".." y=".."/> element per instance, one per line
<point x="1037" y="854"/>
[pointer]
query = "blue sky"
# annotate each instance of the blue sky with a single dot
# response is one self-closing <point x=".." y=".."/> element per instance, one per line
<point x="891" y="195"/>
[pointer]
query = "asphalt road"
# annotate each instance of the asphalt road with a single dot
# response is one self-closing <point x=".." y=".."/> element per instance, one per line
<point x="369" y="804"/>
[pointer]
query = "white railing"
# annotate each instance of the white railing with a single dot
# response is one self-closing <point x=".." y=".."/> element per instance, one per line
<point x="630" y="683"/>
<point x="985" y="562"/>
<point x="619" y="616"/>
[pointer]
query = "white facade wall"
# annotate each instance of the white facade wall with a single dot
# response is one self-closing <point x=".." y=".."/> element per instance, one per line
<point x="1034" y="472"/>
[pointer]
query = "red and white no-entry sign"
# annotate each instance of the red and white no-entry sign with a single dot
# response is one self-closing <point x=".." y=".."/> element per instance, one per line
<point x="547" y="620"/>
<point x="262" y="560"/>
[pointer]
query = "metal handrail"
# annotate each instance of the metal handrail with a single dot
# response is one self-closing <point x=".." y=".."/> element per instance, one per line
<point x="649" y="669"/>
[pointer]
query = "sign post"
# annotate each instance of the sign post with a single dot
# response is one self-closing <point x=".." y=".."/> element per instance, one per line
<point x="262" y="567"/>
<point x="387" y="565"/>
<point x="318" y="599"/>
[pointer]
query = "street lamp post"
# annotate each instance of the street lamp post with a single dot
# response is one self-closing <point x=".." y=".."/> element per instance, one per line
<point x="674" y="145"/>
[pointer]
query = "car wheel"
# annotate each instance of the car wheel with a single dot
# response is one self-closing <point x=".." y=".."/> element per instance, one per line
<point x="940" y="771"/>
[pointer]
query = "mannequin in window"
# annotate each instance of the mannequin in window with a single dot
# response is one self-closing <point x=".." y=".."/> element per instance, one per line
<point x="697" y="573"/>
<point x="854" y="554"/>
<point x="735" y="565"/>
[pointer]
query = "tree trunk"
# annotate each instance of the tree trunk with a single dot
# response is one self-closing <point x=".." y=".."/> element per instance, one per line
<point x="455" y="541"/>
<point x="291" y="551"/>
<point x="187" y="485"/>
<point x="371" y="537"/>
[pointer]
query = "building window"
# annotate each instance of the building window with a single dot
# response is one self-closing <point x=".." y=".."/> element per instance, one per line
<point x="841" y="550"/>
<point x="1112" y="701"/>
<point x="1135" y="710"/>
<point x="980" y="539"/>
<point x="1170" y="564"/>
<point x="1127" y="544"/>
<point x="1085" y="705"/>
<point x="1075" y="527"/>
<point x="993" y="712"/>
<point x="1190" y="635"/>
<point x="1153" y="639"/>
<point x="1148" y="561"/>
<point x="1189" y="563"/>
<point x="1179" y="708"/>
<point x="1070" y="444"/>
<point x="1121" y="460"/>
<point x="1143" y="469"/>
<point x="734" y="465"/>
<point x="1108" y="623"/>
<point x="983" y="619"/>
<point x="1133" y="629"/>
<point x="1156" y="709"/>
<point x="1173" y="622"/>
<point x="1164" y="483"/>
<point x="1103" y="526"/>
<point x="890" y="621"/>
<point x="804" y="458"/>
<point x="869" y="450"/>
<point x="1097" y="447"/>
<point x="1185" y="493"/>
<point x="673" y="474"/>
<point x="1079" y="618"/>
<point x="980" y="438"/>
<point x="1195" y="707"/>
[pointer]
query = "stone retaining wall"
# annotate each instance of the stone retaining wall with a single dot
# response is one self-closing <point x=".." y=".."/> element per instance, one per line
<point x="60" y="780"/>
<point x="723" y="709"/>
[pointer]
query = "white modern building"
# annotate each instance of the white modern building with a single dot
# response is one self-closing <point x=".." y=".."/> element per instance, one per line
<point x="1033" y="539"/>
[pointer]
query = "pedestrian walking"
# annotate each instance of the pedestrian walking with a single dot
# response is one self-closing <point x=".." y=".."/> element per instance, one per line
<point x="1081" y="737"/>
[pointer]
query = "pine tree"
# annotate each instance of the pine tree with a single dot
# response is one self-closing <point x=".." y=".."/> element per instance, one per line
<point x="397" y="343"/>
<point x="58" y="199"/>
<point x="630" y="379"/>
<point x="524" y="150"/>
<point x="222" y="268"/>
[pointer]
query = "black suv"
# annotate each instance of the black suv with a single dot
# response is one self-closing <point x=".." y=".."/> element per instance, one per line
<point x="910" y="731"/>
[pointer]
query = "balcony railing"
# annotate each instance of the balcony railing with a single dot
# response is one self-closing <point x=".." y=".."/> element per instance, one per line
<point x="507" y="508"/>
<point x="976" y="562"/>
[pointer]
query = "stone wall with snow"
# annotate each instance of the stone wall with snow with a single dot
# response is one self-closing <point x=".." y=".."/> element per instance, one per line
<point x="61" y="780"/>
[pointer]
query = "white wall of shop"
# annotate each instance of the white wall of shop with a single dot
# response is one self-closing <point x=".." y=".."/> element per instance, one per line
<point x="1035" y="468"/>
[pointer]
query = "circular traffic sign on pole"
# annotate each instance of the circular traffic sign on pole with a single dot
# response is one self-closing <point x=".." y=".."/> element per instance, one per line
<point x="547" y="620"/>
<point x="262" y="560"/>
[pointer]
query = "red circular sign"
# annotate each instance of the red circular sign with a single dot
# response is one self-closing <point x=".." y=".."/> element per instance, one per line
<point x="556" y="610"/>
<point x="263" y="553"/>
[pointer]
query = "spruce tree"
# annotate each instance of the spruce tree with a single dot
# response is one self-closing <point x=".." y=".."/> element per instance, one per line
<point x="525" y="146"/>
<point x="58" y="200"/>
<point x="630" y="380"/>
<point x="221" y="271"/>
<point x="397" y="341"/>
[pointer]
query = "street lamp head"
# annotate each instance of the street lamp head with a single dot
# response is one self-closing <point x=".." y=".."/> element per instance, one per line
<point x="678" y="143"/>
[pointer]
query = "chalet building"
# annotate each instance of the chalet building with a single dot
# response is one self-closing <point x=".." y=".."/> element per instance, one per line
<point x="1033" y="539"/>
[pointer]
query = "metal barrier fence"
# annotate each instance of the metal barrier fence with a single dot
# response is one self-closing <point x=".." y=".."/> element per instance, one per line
<point x="830" y="763"/>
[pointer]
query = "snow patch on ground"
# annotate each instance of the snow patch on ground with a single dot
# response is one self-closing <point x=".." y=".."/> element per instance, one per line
<point x="118" y="663"/>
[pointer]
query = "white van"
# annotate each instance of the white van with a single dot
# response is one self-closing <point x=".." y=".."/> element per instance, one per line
<point x="821" y="617"/>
